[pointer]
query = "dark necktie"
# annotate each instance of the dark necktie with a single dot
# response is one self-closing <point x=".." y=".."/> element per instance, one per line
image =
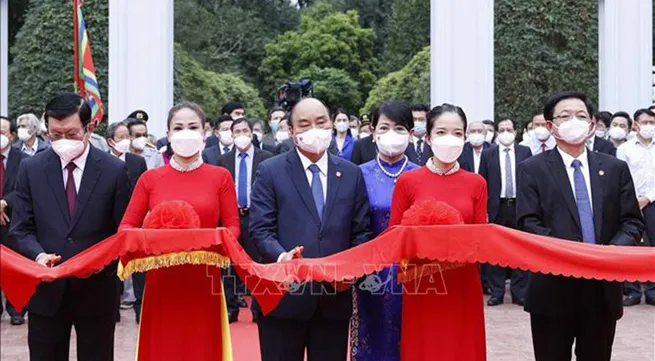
<point x="583" y="203"/>
<point x="543" y="147"/>
<point x="243" y="181"/>
<point x="2" y="176"/>
<point x="317" y="189"/>
<point x="71" y="192"/>
<point x="226" y="149"/>
<point x="419" y="149"/>
<point x="509" y="180"/>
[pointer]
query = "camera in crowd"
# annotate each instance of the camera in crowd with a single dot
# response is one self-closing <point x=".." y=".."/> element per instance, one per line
<point x="292" y="92"/>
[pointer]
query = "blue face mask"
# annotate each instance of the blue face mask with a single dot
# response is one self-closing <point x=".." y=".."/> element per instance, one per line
<point x="420" y="128"/>
<point x="275" y="125"/>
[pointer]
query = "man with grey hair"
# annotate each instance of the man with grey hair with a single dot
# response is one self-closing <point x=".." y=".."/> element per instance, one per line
<point x="476" y="134"/>
<point x="29" y="130"/>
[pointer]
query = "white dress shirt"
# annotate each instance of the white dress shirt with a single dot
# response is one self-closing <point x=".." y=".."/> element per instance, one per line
<point x="535" y="144"/>
<point x="322" y="166"/>
<point x="641" y="161"/>
<point x="503" y="166"/>
<point x="415" y="141"/>
<point x="590" y="143"/>
<point x="237" y="165"/>
<point x="31" y="151"/>
<point x="568" y="160"/>
<point x="476" y="159"/>
<point x="80" y="162"/>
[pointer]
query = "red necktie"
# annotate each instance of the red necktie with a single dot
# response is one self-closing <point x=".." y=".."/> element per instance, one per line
<point x="71" y="192"/>
<point x="543" y="147"/>
<point x="2" y="176"/>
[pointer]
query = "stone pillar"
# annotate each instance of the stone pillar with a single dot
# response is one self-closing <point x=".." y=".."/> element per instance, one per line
<point x="462" y="55"/>
<point x="4" y="56"/>
<point x="625" y="54"/>
<point x="141" y="60"/>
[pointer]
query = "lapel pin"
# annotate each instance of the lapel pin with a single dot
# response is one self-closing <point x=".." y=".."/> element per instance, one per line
<point x="601" y="172"/>
<point x="338" y="174"/>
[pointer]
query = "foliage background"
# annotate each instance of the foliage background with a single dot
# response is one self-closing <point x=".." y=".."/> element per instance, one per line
<point x="357" y="52"/>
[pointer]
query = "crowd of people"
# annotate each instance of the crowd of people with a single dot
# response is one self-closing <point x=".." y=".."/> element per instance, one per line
<point x="307" y="182"/>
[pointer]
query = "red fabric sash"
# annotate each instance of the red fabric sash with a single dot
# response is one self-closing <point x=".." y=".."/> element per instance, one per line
<point x="489" y="243"/>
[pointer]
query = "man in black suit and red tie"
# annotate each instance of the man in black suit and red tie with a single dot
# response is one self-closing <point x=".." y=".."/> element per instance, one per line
<point x="67" y="199"/>
<point x="498" y="167"/>
<point x="575" y="194"/>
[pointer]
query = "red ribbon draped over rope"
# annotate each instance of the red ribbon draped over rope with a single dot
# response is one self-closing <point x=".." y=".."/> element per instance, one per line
<point x="488" y="243"/>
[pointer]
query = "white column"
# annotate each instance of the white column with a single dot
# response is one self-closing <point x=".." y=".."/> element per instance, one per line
<point x="4" y="56"/>
<point x="141" y="60"/>
<point x="625" y="54"/>
<point x="462" y="55"/>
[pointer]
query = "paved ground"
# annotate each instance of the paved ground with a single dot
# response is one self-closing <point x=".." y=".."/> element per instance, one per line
<point x="508" y="336"/>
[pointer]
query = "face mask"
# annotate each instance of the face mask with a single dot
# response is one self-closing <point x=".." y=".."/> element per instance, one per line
<point x="447" y="148"/>
<point x="392" y="143"/>
<point x="186" y="143"/>
<point x="226" y="137"/>
<point x="4" y="142"/>
<point x="208" y="134"/>
<point x="315" y="140"/>
<point x="476" y="139"/>
<point x="541" y="133"/>
<point x="342" y="127"/>
<point x="123" y="146"/>
<point x="24" y="134"/>
<point x="632" y="135"/>
<point x="68" y="149"/>
<point x="647" y="131"/>
<point x="139" y="143"/>
<point x="489" y="137"/>
<point x="617" y="133"/>
<point x="506" y="138"/>
<point x="601" y="133"/>
<point x="354" y="132"/>
<point x="243" y="141"/>
<point x="420" y="129"/>
<point x="275" y="125"/>
<point x="281" y="136"/>
<point x="529" y="135"/>
<point x="574" y="131"/>
<point x="259" y="135"/>
<point x="364" y="135"/>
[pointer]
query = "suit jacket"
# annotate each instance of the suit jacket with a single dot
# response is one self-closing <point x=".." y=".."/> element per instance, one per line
<point x="162" y="142"/>
<point x="211" y="155"/>
<point x="283" y="215"/>
<point x="41" y="223"/>
<point x="227" y="161"/>
<point x="410" y="152"/>
<point x="604" y="146"/>
<point x="11" y="171"/>
<point x="136" y="166"/>
<point x="490" y="170"/>
<point x="546" y="206"/>
<point x="364" y="151"/>
<point x="466" y="160"/>
<point x="41" y="146"/>
<point x="288" y="145"/>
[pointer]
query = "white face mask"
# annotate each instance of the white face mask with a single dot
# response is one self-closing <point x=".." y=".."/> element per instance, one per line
<point x="208" y="133"/>
<point x="315" y="140"/>
<point x="506" y="138"/>
<point x="24" y="134"/>
<point x="541" y="133"/>
<point x="342" y="127"/>
<point x="601" y="133"/>
<point x="632" y="135"/>
<point x="68" y="149"/>
<point x="259" y="135"/>
<point x="281" y="136"/>
<point x="489" y="137"/>
<point x="574" y="131"/>
<point x="476" y="139"/>
<point x="187" y="143"/>
<point x="529" y="135"/>
<point x="4" y="142"/>
<point x="392" y="143"/>
<point x="420" y="129"/>
<point x="447" y="148"/>
<point x="139" y="143"/>
<point x="123" y="146"/>
<point x="226" y="137"/>
<point x="243" y="141"/>
<point x="354" y="132"/>
<point x="617" y="133"/>
<point x="364" y="135"/>
<point x="647" y="131"/>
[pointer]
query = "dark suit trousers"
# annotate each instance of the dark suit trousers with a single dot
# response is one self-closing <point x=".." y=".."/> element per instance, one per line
<point x="11" y="310"/>
<point x="496" y="274"/>
<point x="286" y="340"/>
<point x="48" y="338"/>
<point x="233" y="285"/>
<point x="634" y="288"/>
<point x="139" y="285"/>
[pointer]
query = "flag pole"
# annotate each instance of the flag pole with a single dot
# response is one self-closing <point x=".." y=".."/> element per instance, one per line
<point x="76" y="46"/>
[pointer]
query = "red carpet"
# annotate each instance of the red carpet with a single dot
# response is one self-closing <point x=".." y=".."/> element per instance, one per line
<point x="245" y="339"/>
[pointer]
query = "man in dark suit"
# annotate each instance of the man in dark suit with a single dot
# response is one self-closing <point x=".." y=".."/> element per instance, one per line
<point x="475" y="144"/>
<point x="498" y="167"/>
<point x="364" y="151"/>
<point x="242" y="162"/>
<point x="67" y="199"/>
<point x="11" y="159"/>
<point x="308" y="202"/>
<point x="221" y="142"/>
<point x="574" y="194"/>
<point x="601" y="145"/>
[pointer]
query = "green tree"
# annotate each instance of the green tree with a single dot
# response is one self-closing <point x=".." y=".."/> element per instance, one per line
<point x="325" y="39"/>
<point x="411" y="83"/>
<point x="373" y="14"/>
<point x="42" y="53"/>
<point x="212" y="90"/>
<point x="334" y="87"/>
<point x="408" y="32"/>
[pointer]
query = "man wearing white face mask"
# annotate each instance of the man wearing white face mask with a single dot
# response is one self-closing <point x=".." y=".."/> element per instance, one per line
<point x="475" y="135"/>
<point x="597" y="142"/>
<point x="118" y="140"/>
<point x="275" y="115"/>
<point x="540" y="139"/>
<point x="68" y="199"/>
<point x="582" y="196"/>
<point x="139" y="140"/>
<point x="29" y="129"/>
<point x="419" y="151"/>
<point x="498" y="167"/>
<point x="308" y="203"/>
